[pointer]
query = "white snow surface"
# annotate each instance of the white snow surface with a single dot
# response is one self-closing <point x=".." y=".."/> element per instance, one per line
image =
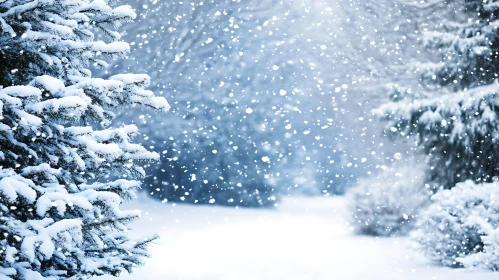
<point x="302" y="239"/>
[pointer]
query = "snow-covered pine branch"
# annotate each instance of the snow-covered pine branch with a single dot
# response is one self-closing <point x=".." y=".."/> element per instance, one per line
<point x="453" y="114"/>
<point x="63" y="172"/>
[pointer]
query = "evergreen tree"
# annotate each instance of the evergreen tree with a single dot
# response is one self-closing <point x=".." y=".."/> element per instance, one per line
<point x="453" y="114"/>
<point x="64" y="172"/>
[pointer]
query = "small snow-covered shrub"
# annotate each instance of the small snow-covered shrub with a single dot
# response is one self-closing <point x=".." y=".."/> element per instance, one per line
<point x="461" y="227"/>
<point x="387" y="204"/>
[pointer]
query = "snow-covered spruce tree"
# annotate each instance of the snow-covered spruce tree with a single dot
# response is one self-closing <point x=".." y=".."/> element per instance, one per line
<point x="460" y="228"/>
<point x="60" y="213"/>
<point x="388" y="203"/>
<point x="454" y="116"/>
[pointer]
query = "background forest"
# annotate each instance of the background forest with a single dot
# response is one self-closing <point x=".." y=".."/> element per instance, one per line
<point x="268" y="98"/>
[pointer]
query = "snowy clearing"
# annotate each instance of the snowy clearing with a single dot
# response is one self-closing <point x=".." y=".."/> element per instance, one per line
<point x="305" y="238"/>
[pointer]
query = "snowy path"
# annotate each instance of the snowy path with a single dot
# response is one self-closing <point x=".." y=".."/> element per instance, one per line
<point x="306" y="238"/>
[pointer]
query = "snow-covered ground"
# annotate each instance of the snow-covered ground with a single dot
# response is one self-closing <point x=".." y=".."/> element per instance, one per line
<point x="304" y="238"/>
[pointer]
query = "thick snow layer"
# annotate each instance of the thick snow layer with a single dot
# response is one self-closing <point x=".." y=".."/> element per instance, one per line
<point x="304" y="238"/>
